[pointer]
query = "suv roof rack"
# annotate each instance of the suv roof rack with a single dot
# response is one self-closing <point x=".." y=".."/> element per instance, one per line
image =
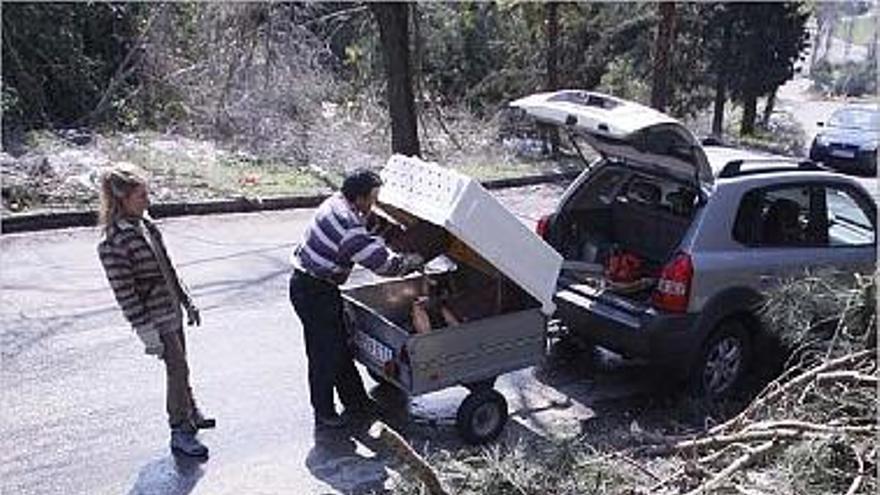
<point x="733" y="168"/>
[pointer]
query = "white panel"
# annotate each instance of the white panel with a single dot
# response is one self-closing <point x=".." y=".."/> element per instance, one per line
<point x="449" y="199"/>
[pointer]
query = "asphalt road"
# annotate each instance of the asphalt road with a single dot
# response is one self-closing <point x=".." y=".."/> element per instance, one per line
<point x="84" y="407"/>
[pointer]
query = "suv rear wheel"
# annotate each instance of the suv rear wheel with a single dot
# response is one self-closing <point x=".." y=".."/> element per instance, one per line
<point x="724" y="362"/>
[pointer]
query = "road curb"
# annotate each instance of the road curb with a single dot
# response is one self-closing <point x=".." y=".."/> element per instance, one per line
<point x="29" y="222"/>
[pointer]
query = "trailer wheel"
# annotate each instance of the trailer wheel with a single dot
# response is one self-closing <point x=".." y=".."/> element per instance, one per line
<point x="481" y="416"/>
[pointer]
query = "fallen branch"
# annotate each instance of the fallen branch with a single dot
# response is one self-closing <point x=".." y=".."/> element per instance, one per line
<point x="782" y="389"/>
<point x="860" y="475"/>
<point x="405" y="453"/>
<point x="734" y="466"/>
<point x="793" y="424"/>
<point x="666" y="481"/>
<point x="724" y="440"/>
<point x="716" y="455"/>
<point x="848" y="376"/>
<point x="678" y="473"/>
<point x="637" y="465"/>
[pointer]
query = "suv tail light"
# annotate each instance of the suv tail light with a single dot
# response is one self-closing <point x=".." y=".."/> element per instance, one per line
<point x="543" y="226"/>
<point x="674" y="288"/>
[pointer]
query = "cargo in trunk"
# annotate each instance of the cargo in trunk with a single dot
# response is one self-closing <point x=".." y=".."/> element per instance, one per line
<point x="621" y="227"/>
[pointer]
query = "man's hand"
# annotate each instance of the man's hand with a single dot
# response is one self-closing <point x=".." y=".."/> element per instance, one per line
<point x="411" y="262"/>
<point x="193" y="317"/>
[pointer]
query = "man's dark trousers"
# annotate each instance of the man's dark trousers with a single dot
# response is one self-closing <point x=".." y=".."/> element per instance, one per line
<point x="318" y="304"/>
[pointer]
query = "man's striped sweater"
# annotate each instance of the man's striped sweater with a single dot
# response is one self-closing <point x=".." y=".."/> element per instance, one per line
<point x="338" y="237"/>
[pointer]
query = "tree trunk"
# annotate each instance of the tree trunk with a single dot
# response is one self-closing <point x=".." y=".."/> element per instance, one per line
<point x="665" y="33"/>
<point x="875" y="40"/>
<point x="847" y="47"/>
<point x="720" y="100"/>
<point x="818" y="41"/>
<point x="832" y="24"/>
<point x="768" y="109"/>
<point x="551" y="10"/>
<point x="393" y="20"/>
<point x="750" y="111"/>
<point x="721" y="83"/>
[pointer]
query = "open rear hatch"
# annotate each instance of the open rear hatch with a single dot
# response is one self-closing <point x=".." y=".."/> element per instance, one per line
<point x="620" y="226"/>
<point x="615" y="128"/>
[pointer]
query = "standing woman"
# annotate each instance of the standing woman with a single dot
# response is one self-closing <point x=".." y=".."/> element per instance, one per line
<point x="150" y="295"/>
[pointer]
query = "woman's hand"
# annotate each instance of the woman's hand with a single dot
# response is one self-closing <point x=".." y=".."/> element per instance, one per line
<point x="153" y="345"/>
<point x="193" y="317"/>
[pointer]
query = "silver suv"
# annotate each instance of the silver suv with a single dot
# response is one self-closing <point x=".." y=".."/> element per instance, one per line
<point x="670" y="244"/>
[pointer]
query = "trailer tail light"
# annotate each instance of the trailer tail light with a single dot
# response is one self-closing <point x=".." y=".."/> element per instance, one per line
<point x="674" y="288"/>
<point x="543" y="226"/>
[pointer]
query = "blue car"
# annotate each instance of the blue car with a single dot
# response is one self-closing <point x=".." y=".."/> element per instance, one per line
<point x="849" y="141"/>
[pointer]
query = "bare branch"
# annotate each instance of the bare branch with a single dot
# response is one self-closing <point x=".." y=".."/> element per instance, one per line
<point x="405" y="453"/>
<point x="739" y="463"/>
<point x="860" y="474"/>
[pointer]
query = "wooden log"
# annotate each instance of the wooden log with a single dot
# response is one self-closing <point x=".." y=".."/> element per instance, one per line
<point x="407" y="455"/>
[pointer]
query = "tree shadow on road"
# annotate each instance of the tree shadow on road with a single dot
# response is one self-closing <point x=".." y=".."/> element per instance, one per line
<point x="168" y="475"/>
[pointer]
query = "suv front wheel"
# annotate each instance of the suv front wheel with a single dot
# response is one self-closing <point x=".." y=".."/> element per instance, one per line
<point x="724" y="361"/>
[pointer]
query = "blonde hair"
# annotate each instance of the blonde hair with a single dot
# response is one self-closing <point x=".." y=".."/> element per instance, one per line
<point x="117" y="182"/>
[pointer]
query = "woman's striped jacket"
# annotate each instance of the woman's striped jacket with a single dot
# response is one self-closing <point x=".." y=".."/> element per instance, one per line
<point x="136" y="278"/>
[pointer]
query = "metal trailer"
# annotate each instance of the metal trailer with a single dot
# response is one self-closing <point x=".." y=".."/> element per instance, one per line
<point x="497" y="260"/>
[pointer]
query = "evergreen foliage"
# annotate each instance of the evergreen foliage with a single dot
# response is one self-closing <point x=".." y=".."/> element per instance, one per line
<point x="60" y="58"/>
<point x="205" y="67"/>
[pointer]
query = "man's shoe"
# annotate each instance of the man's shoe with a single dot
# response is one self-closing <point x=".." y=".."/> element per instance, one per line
<point x="332" y="420"/>
<point x="201" y="422"/>
<point x="186" y="443"/>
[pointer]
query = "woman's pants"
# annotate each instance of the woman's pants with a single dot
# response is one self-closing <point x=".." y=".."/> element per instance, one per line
<point x="179" y="400"/>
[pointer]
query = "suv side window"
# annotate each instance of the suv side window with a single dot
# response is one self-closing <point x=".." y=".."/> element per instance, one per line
<point x="779" y="217"/>
<point x="847" y="222"/>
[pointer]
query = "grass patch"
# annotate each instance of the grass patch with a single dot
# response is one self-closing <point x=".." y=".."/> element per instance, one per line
<point x="183" y="169"/>
<point x="489" y="171"/>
